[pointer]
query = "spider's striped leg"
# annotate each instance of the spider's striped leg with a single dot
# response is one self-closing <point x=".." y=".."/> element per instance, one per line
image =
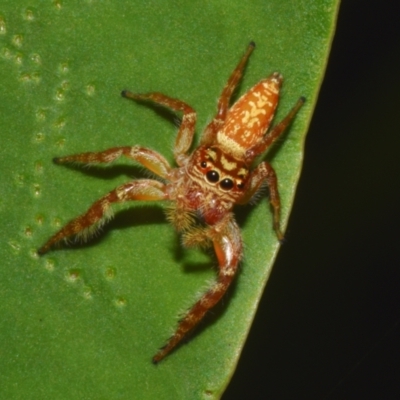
<point x="187" y="126"/>
<point x="265" y="173"/>
<point x="150" y="159"/>
<point x="274" y="133"/>
<point x="100" y="211"/>
<point x="228" y="248"/>
<point x="224" y="100"/>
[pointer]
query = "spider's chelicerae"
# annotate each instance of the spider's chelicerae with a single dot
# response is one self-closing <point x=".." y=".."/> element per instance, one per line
<point x="203" y="189"/>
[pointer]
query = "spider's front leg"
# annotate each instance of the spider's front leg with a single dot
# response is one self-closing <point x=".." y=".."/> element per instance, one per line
<point x="100" y="211"/>
<point x="227" y="243"/>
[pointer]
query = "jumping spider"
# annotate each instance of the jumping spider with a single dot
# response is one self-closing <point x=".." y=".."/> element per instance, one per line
<point x="207" y="183"/>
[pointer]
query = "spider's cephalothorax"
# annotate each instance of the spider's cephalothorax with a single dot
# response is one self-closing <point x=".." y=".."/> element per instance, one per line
<point x="206" y="185"/>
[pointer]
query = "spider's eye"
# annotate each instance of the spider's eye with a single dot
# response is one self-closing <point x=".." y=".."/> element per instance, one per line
<point x="212" y="176"/>
<point x="226" y="184"/>
<point x="240" y="185"/>
<point x="203" y="164"/>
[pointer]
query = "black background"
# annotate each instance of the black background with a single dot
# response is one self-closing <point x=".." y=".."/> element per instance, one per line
<point x="328" y="326"/>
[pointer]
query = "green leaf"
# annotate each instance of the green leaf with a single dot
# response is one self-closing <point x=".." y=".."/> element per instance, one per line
<point x="84" y="321"/>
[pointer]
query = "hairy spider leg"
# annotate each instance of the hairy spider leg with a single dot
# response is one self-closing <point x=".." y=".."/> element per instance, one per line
<point x="227" y="243"/>
<point x="270" y="137"/>
<point x="100" y="211"/>
<point x="150" y="159"/>
<point x="264" y="172"/>
<point x="224" y="100"/>
<point x="187" y="127"/>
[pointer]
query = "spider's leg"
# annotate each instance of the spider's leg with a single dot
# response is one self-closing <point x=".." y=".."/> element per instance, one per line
<point x="150" y="159"/>
<point x="187" y="126"/>
<point x="100" y="211"/>
<point x="228" y="248"/>
<point x="224" y="100"/>
<point x="275" y="132"/>
<point x="265" y="173"/>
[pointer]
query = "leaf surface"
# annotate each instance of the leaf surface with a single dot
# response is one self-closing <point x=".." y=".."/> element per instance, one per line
<point x="84" y="321"/>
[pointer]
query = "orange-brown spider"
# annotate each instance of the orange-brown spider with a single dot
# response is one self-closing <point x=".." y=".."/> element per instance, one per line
<point x="206" y="185"/>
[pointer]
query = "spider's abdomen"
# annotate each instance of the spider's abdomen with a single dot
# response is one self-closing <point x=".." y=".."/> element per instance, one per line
<point x="249" y="118"/>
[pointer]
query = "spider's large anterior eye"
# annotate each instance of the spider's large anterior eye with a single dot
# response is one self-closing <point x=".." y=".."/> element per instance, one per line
<point x="226" y="184"/>
<point x="212" y="176"/>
